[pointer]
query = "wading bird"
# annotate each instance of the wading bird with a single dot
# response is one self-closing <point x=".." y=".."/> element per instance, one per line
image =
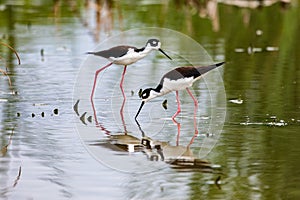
<point x="177" y="79"/>
<point x="125" y="55"/>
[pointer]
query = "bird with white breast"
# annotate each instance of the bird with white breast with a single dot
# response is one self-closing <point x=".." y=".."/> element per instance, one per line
<point x="177" y="79"/>
<point x="125" y="55"/>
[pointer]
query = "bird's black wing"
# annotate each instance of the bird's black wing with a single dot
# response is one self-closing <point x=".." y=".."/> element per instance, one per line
<point x="178" y="73"/>
<point x="203" y="70"/>
<point x="115" y="52"/>
<point x="188" y="71"/>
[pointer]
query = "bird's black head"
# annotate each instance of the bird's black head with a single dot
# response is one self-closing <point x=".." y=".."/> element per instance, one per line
<point x="154" y="43"/>
<point x="146" y="94"/>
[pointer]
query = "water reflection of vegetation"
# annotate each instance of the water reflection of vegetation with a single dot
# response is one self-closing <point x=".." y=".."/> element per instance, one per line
<point x="7" y="58"/>
<point x="275" y="73"/>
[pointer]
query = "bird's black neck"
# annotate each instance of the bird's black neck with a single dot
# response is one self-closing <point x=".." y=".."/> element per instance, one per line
<point x="140" y="49"/>
<point x="158" y="88"/>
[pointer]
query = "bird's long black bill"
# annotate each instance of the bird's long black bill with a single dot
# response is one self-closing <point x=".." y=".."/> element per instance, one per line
<point x="165" y="54"/>
<point x="137" y="122"/>
<point x="139" y="110"/>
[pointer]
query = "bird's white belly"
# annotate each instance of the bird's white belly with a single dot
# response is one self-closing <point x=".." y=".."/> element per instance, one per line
<point x="127" y="59"/>
<point x="173" y="85"/>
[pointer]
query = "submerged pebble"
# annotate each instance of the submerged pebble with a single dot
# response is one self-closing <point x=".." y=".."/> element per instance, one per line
<point x="205" y="117"/>
<point x="40" y="104"/>
<point x="259" y="32"/>
<point x="75" y="107"/>
<point x="82" y="118"/>
<point x="239" y="50"/>
<point x="89" y="119"/>
<point x="140" y="93"/>
<point x="236" y="101"/>
<point x="252" y="50"/>
<point x="279" y="123"/>
<point x="55" y="111"/>
<point x="272" y="48"/>
<point x="165" y="104"/>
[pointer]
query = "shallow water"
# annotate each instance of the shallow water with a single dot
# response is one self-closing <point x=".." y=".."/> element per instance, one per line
<point x="56" y="156"/>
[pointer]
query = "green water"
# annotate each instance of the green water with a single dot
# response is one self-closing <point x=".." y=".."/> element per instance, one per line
<point x="258" y="149"/>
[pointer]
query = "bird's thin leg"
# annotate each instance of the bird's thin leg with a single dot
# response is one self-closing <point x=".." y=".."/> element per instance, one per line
<point x="96" y="120"/>
<point x="95" y="79"/>
<point x="178" y="131"/>
<point x="122" y="117"/>
<point x="124" y="99"/>
<point x="192" y="141"/>
<point x="195" y="110"/>
<point x="122" y="80"/>
<point x="178" y="106"/>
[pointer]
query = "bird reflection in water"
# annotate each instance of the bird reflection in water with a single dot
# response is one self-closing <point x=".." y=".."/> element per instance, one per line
<point x="177" y="156"/>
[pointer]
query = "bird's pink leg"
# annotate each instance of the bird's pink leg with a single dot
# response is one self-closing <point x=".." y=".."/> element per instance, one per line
<point x="192" y="141"/>
<point x="195" y="110"/>
<point x="92" y="101"/>
<point x="122" y="117"/>
<point x="122" y="90"/>
<point x="178" y="131"/>
<point x="178" y="106"/>
<point x="121" y="83"/>
<point x="95" y="79"/>
<point x="124" y="99"/>
<point x="96" y="120"/>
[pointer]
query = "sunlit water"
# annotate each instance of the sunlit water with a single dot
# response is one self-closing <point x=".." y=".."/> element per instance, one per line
<point x="257" y="153"/>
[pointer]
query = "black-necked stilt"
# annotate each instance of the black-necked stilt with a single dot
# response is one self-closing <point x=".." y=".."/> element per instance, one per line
<point x="126" y="55"/>
<point x="177" y="79"/>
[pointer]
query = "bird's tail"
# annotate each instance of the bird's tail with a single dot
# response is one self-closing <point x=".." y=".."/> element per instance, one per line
<point x="202" y="70"/>
<point x="91" y="52"/>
